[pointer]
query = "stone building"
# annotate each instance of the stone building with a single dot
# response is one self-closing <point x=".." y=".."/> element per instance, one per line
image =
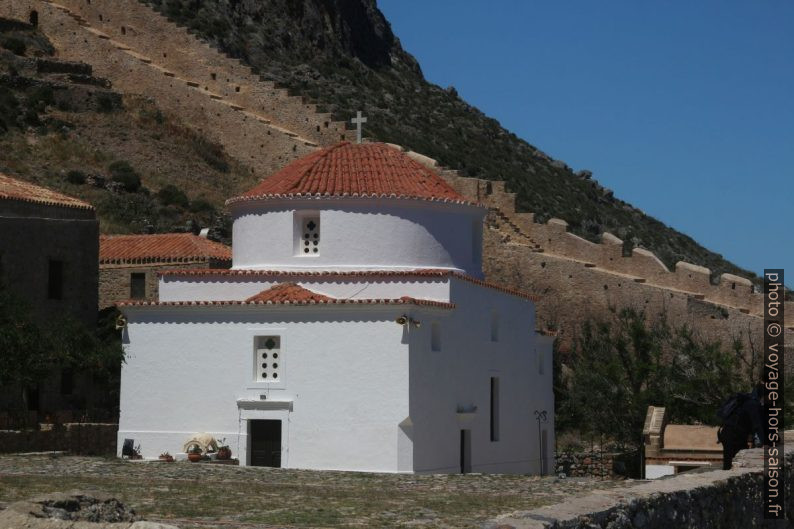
<point x="49" y="245"/>
<point x="353" y="332"/>
<point x="675" y="448"/>
<point x="129" y="264"/>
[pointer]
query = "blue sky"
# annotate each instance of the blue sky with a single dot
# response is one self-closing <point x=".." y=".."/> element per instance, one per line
<point x="685" y="109"/>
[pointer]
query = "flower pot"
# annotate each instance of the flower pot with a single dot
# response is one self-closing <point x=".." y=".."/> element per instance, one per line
<point x="194" y="456"/>
<point x="224" y="453"/>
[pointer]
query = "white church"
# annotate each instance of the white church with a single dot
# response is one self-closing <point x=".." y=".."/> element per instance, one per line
<point x="354" y="331"/>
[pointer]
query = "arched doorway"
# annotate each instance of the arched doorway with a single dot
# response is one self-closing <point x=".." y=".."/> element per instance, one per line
<point x="34" y="18"/>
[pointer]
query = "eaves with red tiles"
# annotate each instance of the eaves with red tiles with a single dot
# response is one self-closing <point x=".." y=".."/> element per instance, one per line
<point x="164" y="247"/>
<point x="344" y="274"/>
<point x="19" y="190"/>
<point x="405" y="300"/>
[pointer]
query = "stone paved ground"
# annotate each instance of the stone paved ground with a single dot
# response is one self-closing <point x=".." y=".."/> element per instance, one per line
<point x="204" y="496"/>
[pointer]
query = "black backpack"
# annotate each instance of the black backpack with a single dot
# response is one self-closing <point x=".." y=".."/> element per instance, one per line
<point x="728" y="412"/>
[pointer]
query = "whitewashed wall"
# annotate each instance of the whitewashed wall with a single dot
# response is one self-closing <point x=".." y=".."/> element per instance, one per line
<point x="360" y="234"/>
<point x="459" y="376"/>
<point x="346" y="374"/>
<point x="236" y="287"/>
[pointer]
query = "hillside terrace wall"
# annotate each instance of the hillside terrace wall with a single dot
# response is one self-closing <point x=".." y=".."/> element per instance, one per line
<point x="147" y="32"/>
<point x="246" y="137"/>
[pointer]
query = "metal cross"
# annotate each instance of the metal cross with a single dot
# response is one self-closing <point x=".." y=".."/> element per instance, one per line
<point x="358" y="121"/>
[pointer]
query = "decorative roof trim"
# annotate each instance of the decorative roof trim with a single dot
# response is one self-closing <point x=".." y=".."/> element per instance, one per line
<point x="424" y="272"/>
<point x="405" y="300"/>
<point x="165" y="260"/>
<point x="320" y="196"/>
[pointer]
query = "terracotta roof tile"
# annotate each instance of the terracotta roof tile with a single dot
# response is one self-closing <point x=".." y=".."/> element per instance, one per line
<point x="160" y="247"/>
<point x="422" y="272"/>
<point x="288" y="293"/>
<point x="360" y="170"/>
<point x="13" y="189"/>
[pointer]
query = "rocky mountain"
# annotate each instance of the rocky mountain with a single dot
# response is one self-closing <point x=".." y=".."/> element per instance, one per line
<point x="344" y="55"/>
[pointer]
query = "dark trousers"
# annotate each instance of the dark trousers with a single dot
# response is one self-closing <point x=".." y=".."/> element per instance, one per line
<point x="732" y="443"/>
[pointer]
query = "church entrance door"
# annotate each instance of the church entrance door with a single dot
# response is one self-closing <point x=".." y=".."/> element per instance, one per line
<point x="265" y="443"/>
<point x="465" y="451"/>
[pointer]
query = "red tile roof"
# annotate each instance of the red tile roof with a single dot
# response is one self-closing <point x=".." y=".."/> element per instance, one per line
<point x="288" y="293"/>
<point x="423" y="272"/>
<point x="13" y="189"/>
<point x="359" y="170"/>
<point x="170" y="247"/>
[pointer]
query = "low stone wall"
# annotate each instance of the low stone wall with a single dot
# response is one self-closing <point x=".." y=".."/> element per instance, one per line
<point x="717" y="499"/>
<point x="600" y="465"/>
<point x="92" y="439"/>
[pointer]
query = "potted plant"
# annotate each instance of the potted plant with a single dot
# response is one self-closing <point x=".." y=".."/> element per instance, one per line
<point x="224" y="452"/>
<point x="165" y="456"/>
<point x="194" y="453"/>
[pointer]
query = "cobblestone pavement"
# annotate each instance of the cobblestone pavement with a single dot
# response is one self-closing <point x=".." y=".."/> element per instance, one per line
<point x="194" y="495"/>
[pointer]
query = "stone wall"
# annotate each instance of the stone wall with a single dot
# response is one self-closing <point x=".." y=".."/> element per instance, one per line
<point x="76" y="438"/>
<point x="33" y="234"/>
<point x="599" y="465"/>
<point x="716" y="499"/>
<point x="577" y="279"/>
<point x="258" y="125"/>
<point x="114" y="279"/>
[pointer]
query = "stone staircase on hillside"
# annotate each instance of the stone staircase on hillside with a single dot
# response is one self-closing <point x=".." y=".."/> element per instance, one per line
<point x="248" y="135"/>
<point x="177" y="51"/>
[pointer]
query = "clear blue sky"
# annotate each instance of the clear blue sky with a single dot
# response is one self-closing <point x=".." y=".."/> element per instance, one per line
<point x="685" y="109"/>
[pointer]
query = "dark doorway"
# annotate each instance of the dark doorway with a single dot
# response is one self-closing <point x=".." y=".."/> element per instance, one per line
<point x="265" y="443"/>
<point x="34" y="18"/>
<point x="465" y="451"/>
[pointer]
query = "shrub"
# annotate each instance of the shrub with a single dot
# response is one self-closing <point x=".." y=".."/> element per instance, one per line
<point x="14" y="45"/>
<point x="75" y="177"/>
<point x="201" y="205"/>
<point x="172" y="195"/>
<point x="122" y="172"/>
<point x="105" y="103"/>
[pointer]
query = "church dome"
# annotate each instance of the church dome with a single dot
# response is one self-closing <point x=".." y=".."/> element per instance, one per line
<point x="347" y="169"/>
<point x="356" y="207"/>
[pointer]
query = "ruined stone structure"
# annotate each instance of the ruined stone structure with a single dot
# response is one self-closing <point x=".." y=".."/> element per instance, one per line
<point x="129" y="264"/>
<point x="142" y="52"/>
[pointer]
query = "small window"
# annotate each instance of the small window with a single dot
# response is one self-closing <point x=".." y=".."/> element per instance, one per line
<point x="309" y="236"/>
<point x="138" y="285"/>
<point x="55" y="280"/>
<point x="541" y="362"/>
<point x="494" y="326"/>
<point x="494" y="409"/>
<point x="268" y="359"/>
<point x="67" y="381"/>
<point x="435" y="336"/>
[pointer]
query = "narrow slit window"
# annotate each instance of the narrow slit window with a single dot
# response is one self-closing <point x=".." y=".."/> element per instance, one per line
<point x="494" y="409"/>
<point x="494" y="326"/>
<point x="435" y="336"/>
<point x="268" y="359"/>
<point x="541" y="362"/>
<point x="55" y="280"/>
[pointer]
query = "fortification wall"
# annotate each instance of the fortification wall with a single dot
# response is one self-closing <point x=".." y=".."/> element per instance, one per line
<point x="246" y="136"/>
<point x="641" y="266"/>
<point x="174" y="49"/>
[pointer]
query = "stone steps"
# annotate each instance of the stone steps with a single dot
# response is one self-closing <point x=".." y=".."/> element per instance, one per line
<point x="193" y="84"/>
